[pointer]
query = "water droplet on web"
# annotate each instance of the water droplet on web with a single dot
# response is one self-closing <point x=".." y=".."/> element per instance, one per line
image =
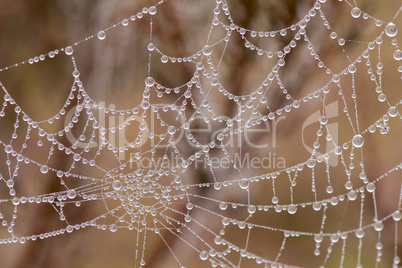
<point x="357" y="141"/>
<point x="378" y="226"/>
<point x="69" y="229"/>
<point x="397" y="215"/>
<point x="275" y="200"/>
<point x="359" y="233"/>
<point x="125" y="22"/>
<point x="171" y="130"/>
<point x="382" y="97"/>
<point x="8" y="149"/>
<point x="338" y="150"/>
<point x="151" y="47"/>
<point x="352" y="68"/>
<point x="152" y="10"/>
<point x="334" y="238"/>
<point x="244" y="183"/>
<point x="251" y="209"/>
<point x="207" y="50"/>
<point x="113" y="227"/>
<point x="318" y="238"/>
<point x="116" y="185"/>
<point x="397" y="54"/>
<point x="145" y="105"/>
<point x="323" y="120"/>
<point x="330" y="189"/>
<point x="355" y="12"/>
<point x="71" y="193"/>
<point x="44" y="169"/>
<point x="164" y="59"/>
<point x="149" y="81"/>
<point x="352" y="195"/>
<point x="187" y="218"/>
<point x="101" y="35"/>
<point x="316" y="206"/>
<point x="311" y="163"/>
<point x="370" y="187"/>
<point x="392" y="111"/>
<point x="69" y="50"/>
<point x="203" y="255"/>
<point x="223" y="205"/>
<point x="292" y="209"/>
<point x="391" y="30"/>
<point x="336" y="78"/>
<point x="15" y="201"/>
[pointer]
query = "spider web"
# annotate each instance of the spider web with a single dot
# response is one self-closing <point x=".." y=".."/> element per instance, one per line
<point x="278" y="172"/>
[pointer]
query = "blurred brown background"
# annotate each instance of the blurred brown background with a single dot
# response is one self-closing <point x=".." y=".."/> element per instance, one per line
<point x="113" y="71"/>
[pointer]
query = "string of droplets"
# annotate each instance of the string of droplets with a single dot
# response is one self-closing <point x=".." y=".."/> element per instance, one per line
<point x="116" y="180"/>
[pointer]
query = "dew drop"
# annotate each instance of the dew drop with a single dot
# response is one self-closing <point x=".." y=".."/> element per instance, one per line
<point x="203" y="255"/>
<point x="392" y="111"/>
<point x="323" y="120"/>
<point x="378" y="226"/>
<point x="113" y="227"/>
<point x="352" y="195"/>
<point x="44" y="169"/>
<point x="15" y="201"/>
<point x="116" y="185"/>
<point x="171" y="130"/>
<point x="69" y="50"/>
<point x="311" y="163"/>
<point x="316" y="206"/>
<point x="397" y="215"/>
<point x="101" y="35"/>
<point x="382" y="97"/>
<point x="336" y="78"/>
<point x="151" y="47"/>
<point x="149" y="81"/>
<point x="207" y="50"/>
<point x="370" y="187"/>
<point x="152" y="10"/>
<point x="292" y="209"/>
<point x="251" y="209"/>
<point x="8" y="149"/>
<point x="391" y="30"/>
<point x="397" y="54"/>
<point x="244" y="183"/>
<point x="334" y="238"/>
<point x="71" y="193"/>
<point x="338" y="150"/>
<point x="125" y="22"/>
<point x="145" y="104"/>
<point x="164" y="59"/>
<point x="355" y="12"/>
<point x="330" y="189"/>
<point x="359" y="233"/>
<point x="69" y="229"/>
<point x="357" y="141"/>
<point x="352" y="68"/>
<point x="318" y="238"/>
<point x="223" y="205"/>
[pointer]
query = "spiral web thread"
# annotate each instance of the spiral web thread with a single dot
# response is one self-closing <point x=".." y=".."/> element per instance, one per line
<point x="163" y="199"/>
